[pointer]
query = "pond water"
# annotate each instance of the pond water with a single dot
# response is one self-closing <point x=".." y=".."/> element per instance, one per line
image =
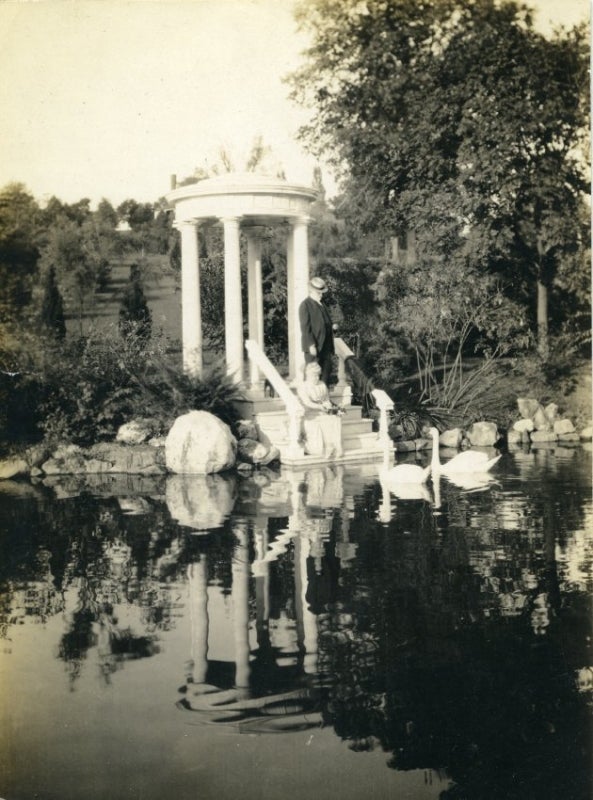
<point x="308" y="634"/>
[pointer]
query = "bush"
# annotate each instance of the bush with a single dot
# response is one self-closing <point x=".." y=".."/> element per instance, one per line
<point x="82" y="390"/>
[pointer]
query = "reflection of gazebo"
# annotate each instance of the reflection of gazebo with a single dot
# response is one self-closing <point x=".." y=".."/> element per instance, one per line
<point x="243" y="203"/>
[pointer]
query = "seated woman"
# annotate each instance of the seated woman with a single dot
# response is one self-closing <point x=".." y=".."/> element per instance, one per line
<point x="322" y="426"/>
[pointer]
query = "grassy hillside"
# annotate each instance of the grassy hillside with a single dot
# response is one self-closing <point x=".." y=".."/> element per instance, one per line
<point x="162" y="288"/>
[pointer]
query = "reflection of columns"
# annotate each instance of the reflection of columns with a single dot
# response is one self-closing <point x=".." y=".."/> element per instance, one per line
<point x="240" y="597"/>
<point x="298" y="281"/>
<point x="233" y="313"/>
<point x="191" y="315"/>
<point x="255" y="303"/>
<point x="262" y="576"/>
<point x="307" y="620"/>
<point x="198" y="605"/>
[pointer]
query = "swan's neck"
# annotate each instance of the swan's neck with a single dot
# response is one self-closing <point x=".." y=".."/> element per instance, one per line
<point x="435" y="462"/>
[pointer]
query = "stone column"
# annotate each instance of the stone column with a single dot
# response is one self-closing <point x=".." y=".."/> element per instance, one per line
<point x="191" y="313"/>
<point x="255" y="304"/>
<point x="233" y="313"/>
<point x="298" y="283"/>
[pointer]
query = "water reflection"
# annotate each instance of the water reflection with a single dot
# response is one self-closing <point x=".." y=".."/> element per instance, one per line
<point x="450" y="629"/>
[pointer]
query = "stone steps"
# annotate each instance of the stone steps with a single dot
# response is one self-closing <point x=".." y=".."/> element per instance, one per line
<point x="359" y="441"/>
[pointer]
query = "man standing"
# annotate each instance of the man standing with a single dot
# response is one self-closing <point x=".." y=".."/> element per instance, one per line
<point x="317" y="339"/>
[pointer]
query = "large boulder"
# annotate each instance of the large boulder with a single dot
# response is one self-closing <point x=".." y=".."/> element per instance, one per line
<point x="199" y="443"/>
<point x="483" y="434"/>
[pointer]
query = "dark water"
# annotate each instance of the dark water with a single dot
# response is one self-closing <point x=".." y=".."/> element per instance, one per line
<point x="304" y="635"/>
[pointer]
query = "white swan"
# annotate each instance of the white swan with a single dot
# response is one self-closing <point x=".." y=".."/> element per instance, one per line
<point x="468" y="461"/>
<point x="403" y="473"/>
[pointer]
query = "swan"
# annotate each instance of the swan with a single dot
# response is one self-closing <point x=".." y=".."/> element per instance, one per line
<point x="403" y="473"/>
<point x="468" y="461"/>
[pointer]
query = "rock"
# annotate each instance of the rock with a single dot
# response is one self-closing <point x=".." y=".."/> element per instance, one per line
<point x="527" y="406"/>
<point x="586" y="434"/>
<point x="422" y="444"/>
<point x="201" y="502"/>
<point x="12" y="467"/>
<point x="483" y="434"/>
<point x="251" y="451"/>
<point x="106" y="457"/>
<point x="525" y="424"/>
<point x="199" y="443"/>
<point x="273" y="455"/>
<point x="551" y="411"/>
<point x="246" y="429"/>
<point x="66" y="460"/>
<point x="543" y="436"/>
<point x="562" y="426"/>
<point x="114" y="457"/>
<point x="540" y="420"/>
<point x="514" y="436"/>
<point x="451" y="438"/>
<point x="568" y="437"/>
<point x="405" y="447"/>
<point x="137" y="431"/>
<point x="37" y="454"/>
<point x="157" y="441"/>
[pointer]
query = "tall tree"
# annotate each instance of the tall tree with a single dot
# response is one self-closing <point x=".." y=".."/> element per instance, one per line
<point x="19" y="249"/>
<point x="456" y="120"/>
<point x="52" y="306"/>
<point x="134" y="315"/>
<point x="70" y="250"/>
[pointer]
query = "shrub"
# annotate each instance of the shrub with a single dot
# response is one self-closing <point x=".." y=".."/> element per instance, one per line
<point x="100" y="381"/>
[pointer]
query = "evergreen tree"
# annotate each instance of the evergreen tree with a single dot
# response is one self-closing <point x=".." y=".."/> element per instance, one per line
<point x="52" y="306"/>
<point x="134" y="315"/>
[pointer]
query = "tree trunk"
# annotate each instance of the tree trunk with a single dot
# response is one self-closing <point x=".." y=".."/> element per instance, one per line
<point x="542" y="319"/>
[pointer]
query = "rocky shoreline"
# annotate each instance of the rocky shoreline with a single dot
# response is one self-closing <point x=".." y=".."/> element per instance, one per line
<point x="198" y="443"/>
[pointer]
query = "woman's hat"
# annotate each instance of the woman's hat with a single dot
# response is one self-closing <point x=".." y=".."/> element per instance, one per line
<point x="318" y="283"/>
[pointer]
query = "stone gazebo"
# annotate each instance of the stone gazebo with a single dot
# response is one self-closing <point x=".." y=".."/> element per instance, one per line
<point x="241" y="202"/>
<point x="245" y="203"/>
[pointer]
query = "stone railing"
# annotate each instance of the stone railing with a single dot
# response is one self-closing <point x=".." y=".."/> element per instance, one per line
<point x="294" y="409"/>
<point x="382" y="400"/>
<point x="384" y="404"/>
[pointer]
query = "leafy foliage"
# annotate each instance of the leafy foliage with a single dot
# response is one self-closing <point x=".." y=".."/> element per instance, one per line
<point x="457" y="121"/>
<point x="97" y="382"/>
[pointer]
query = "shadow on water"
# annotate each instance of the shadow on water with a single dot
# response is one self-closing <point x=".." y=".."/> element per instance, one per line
<point x="449" y="630"/>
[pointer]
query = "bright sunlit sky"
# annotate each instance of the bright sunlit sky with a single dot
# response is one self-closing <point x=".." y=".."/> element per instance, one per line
<point x="108" y="98"/>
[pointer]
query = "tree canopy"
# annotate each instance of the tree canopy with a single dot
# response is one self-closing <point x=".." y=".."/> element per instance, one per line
<point x="458" y="121"/>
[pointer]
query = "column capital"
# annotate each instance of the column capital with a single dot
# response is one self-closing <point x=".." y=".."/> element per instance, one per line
<point x="186" y="223"/>
<point x="302" y="219"/>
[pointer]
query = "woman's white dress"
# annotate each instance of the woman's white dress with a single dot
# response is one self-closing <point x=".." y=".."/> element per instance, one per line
<point x="323" y="431"/>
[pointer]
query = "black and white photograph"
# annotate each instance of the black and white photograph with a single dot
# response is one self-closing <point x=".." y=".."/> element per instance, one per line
<point x="296" y="413"/>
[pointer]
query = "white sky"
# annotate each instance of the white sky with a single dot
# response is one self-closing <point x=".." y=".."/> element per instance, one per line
<point x="108" y="98"/>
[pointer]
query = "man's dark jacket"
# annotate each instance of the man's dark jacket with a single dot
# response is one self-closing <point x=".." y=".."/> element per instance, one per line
<point x="316" y="327"/>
